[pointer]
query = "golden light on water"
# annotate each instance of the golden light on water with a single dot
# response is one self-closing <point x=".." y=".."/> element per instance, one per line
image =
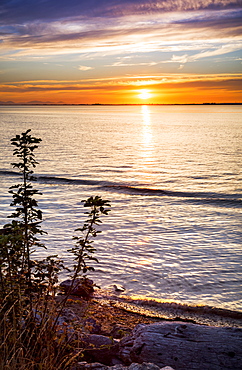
<point x="151" y="220"/>
<point x="144" y="159"/>
<point x="146" y="115"/>
<point x="147" y="132"/>
<point x="145" y="262"/>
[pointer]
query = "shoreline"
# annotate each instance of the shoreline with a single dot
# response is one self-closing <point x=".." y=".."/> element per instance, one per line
<point x="136" y="337"/>
<point x="147" y="307"/>
<point x="112" y="306"/>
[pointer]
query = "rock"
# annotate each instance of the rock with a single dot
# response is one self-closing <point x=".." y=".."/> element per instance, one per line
<point x="98" y="341"/>
<point x="119" y="288"/>
<point x="6" y="231"/>
<point x="99" y="348"/>
<point x="81" y="288"/>
<point x="91" y="325"/>
<point x="184" y="346"/>
<point x="97" y="366"/>
<point x="119" y="331"/>
<point x="86" y="366"/>
<point x="67" y="316"/>
<point x="144" y="366"/>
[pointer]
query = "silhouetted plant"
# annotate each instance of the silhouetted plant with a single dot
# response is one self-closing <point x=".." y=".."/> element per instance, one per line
<point x="83" y="249"/>
<point x="20" y="240"/>
<point x="27" y="213"/>
<point x="31" y="335"/>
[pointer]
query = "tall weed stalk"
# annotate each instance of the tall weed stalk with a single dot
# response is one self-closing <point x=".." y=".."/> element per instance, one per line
<point x="32" y="336"/>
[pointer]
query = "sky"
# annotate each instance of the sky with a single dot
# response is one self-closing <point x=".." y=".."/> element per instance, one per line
<point x="121" y="51"/>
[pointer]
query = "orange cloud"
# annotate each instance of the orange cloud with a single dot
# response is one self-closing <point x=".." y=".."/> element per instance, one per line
<point x="166" y="89"/>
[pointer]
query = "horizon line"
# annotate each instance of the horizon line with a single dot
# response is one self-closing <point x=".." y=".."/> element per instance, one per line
<point x="113" y="104"/>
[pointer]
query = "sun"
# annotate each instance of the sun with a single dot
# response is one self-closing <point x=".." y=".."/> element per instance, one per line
<point x="144" y="94"/>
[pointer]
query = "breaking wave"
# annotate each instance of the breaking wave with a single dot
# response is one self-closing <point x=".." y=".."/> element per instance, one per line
<point x="226" y="200"/>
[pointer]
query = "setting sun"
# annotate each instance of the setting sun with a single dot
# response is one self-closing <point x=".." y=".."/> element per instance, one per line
<point x="143" y="53"/>
<point x="144" y="94"/>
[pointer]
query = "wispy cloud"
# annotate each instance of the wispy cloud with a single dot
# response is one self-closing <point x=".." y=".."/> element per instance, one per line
<point x="220" y="50"/>
<point x="128" y="39"/>
<point x="125" y="64"/>
<point x="18" y="11"/>
<point x="84" y="68"/>
<point x="116" y="39"/>
<point x="122" y="81"/>
<point x="37" y="28"/>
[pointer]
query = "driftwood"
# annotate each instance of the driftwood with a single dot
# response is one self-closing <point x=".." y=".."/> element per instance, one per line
<point x="184" y="346"/>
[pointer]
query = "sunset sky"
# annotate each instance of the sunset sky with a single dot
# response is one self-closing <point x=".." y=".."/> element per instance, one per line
<point x="121" y="51"/>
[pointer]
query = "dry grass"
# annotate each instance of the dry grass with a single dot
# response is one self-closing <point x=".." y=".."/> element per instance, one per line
<point x="35" y="340"/>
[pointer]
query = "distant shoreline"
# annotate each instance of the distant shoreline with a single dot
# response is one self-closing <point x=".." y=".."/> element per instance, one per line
<point x="109" y="104"/>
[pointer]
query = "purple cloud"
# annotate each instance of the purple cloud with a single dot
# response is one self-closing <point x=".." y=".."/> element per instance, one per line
<point x="21" y="11"/>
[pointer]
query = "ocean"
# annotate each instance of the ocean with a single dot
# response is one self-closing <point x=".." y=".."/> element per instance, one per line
<point x="172" y="175"/>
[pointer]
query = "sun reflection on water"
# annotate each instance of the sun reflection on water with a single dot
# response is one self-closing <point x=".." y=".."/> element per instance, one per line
<point x="146" y="145"/>
<point x="147" y="132"/>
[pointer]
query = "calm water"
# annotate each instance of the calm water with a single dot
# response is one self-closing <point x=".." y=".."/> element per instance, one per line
<point x="172" y="174"/>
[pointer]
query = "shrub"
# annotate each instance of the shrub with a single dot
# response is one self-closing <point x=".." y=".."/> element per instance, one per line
<point x="29" y="316"/>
